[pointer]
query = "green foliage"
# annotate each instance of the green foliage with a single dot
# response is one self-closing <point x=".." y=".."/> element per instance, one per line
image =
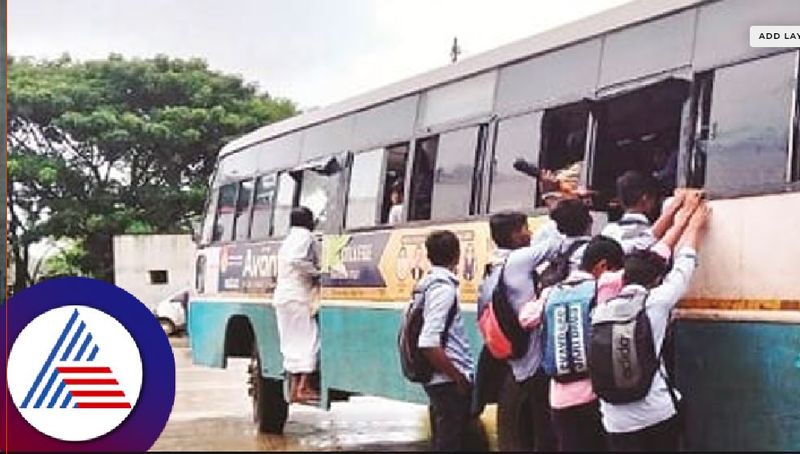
<point x="70" y="261"/>
<point x="105" y="147"/>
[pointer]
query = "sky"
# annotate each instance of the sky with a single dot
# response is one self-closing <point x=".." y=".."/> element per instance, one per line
<point x="315" y="52"/>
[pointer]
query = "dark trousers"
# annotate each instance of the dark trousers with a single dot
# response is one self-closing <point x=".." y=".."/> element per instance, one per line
<point x="450" y="416"/>
<point x="663" y="436"/>
<point x="579" y="428"/>
<point x="538" y="390"/>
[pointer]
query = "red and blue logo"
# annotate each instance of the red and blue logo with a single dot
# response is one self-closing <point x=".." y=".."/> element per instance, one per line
<point x="89" y="368"/>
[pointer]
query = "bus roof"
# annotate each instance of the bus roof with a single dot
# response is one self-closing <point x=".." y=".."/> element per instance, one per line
<point x="619" y="17"/>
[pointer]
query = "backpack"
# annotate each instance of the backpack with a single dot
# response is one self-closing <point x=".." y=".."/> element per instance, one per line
<point x="622" y="356"/>
<point x="558" y="268"/>
<point x="416" y="368"/>
<point x="499" y="325"/>
<point x="566" y="330"/>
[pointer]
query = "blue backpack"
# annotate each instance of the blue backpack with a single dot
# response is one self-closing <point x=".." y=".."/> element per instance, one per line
<point x="567" y="328"/>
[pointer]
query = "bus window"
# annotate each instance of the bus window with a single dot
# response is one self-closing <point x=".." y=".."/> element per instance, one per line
<point x="314" y="195"/>
<point x="517" y="137"/>
<point x="749" y="126"/>
<point x="395" y="175"/>
<point x="284" y="203"/>
<point x="243" y="209"/>
<point x="226" y="205"/>
<point x="638" y="131"/>
<point x="210" y="219"/>
<point x="456" y="167"/>
<point x="262" y="206"/>
<point x="563" y="136"/>
<point x="422" y="178"/>
<point x="364" y="189"/>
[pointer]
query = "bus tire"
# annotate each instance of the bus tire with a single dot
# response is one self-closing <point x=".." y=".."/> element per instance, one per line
<point x="270" y="409"/>
<point x="514" y="417"/>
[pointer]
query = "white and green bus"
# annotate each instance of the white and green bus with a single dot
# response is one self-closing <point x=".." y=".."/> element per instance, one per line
<point x="610" y="90"/>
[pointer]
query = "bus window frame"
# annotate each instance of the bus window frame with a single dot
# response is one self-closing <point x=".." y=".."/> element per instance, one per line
<point x="789" y="184"/>
<point x="248" y="216"/>
<point x="271" y="213"/>
<point x="232" y="238"/>
<point x="482" y="123"/>
<point x="335" y="202"/>
<point x="382" y="186"/>
<point x="589" y="144"/>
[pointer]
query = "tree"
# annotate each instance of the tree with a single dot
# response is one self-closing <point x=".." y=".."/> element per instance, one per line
<point x="100" y="148"/>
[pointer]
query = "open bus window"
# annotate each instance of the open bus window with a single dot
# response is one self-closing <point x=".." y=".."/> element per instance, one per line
<point x="422" y="178"/>
<point x="638" y="131"/>
<point x="395" y="174"/>
<point x="262" y="206"/>
<point x="243" y="209"/>
<point x="314" y="195"/>
<point x="363" y="192"/>
<point x="748" y="124"/>
<point x="226" y="206"/>
<point x="517" y="137"/>
<point x="284" y="201"/>
<point x="563" y="146"/>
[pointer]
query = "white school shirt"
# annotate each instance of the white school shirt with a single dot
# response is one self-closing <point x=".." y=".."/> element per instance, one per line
<point x="657" y="405"/>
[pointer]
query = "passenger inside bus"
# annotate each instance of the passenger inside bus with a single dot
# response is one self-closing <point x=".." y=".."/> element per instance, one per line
<point x="396" y="200"/>
<point x="638" y="131"/>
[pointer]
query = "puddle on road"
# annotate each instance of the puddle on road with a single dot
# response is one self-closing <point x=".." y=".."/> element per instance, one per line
<point x="212" y="412"/>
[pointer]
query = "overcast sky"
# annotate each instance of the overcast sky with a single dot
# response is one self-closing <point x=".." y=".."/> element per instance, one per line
<point x="315" y="52"/>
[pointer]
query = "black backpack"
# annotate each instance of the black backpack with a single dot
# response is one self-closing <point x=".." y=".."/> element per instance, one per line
<point x="558" y="268"/>
<point x="416" y="368"/>
<point x="622" y="356"/>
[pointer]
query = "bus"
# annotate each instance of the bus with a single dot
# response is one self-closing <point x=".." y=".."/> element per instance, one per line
<point x="611" y="91"/>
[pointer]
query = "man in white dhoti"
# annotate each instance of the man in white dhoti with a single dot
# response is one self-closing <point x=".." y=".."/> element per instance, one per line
<point x="295" y="304"/>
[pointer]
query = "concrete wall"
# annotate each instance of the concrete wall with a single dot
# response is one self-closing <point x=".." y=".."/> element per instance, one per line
<point x="136" y="255"/>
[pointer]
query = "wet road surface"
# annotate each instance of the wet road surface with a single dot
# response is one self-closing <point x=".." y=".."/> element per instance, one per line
<point x="212" y="412"/>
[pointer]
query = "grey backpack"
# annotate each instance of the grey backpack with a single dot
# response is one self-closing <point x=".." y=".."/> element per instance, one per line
<point x="622" y="356"/>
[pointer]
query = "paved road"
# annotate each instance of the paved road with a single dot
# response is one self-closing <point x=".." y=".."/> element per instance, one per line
<point x="212" y="412"/>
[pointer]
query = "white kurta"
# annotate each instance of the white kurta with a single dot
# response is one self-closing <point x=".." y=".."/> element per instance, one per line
<point x="294" y="299"/>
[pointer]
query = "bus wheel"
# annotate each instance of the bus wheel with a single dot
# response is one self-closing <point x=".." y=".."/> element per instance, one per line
<point x="269" y="407"/>
<point x="514" y="418"/>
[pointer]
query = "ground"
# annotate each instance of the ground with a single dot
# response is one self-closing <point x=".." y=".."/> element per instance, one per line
<point x="212" y="412"/>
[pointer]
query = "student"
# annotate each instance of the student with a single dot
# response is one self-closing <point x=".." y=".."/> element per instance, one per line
<point x="509" y="231"/>
<point x="294" y="298"/>
<point x="610" y="283"/>
<point x="639" y="195"/>
<point x="573" y="222"/>
<point x="396" y="199"/>
<point x="651" y="424"/>
<point x="575" y="408"/>
<point x="450" y="388"/>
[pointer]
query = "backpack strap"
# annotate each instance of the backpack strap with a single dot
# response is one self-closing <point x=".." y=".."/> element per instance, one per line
<point x="451" y="316"/>
<point x="574" y="247"/>
<point x="668" y="379"/>
<point x="633" y="222"/>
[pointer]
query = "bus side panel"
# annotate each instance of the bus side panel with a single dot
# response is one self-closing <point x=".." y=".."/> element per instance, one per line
<point x="359" y="351"/>
<point x="209" y="323"/>
<point x="741" y="384"/>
